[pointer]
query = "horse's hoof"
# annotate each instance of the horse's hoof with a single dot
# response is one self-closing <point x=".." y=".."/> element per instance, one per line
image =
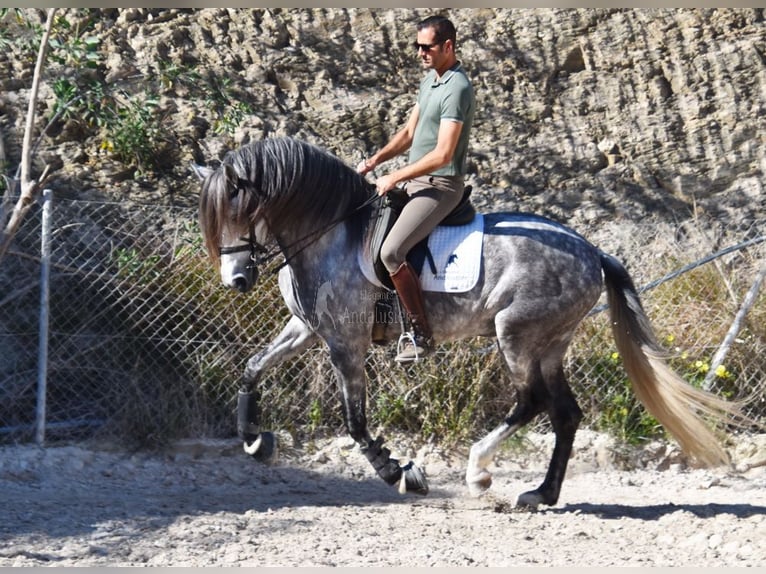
<point x="479" y="484"/>
<point x="529" y="500"/>
<point x="263" y="448"/>
<point x="413" y="480"/>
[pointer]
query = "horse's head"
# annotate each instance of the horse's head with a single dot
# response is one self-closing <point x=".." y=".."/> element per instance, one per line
<point x="232" y="232"/>
<point x="281" y="189"/>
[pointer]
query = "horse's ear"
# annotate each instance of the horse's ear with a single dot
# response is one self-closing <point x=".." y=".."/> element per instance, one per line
<point x="233" y="181"/>
<point x="231" y="174"/>
<point x="201" y="171"/>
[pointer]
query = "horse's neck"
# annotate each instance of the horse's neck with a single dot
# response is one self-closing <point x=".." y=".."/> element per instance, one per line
<point x="312" y="244"/>
<point x="308" y="233"/>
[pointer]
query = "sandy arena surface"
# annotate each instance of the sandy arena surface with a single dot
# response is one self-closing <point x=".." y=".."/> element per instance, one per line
<point x="206" y="503"/>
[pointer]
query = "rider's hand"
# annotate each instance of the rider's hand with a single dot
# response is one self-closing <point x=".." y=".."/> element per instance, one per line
<point x="365" y="166"/>
<point x="384" y="184"/>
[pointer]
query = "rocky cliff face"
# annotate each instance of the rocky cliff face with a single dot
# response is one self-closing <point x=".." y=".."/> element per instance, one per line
<point x="586" y="115"/>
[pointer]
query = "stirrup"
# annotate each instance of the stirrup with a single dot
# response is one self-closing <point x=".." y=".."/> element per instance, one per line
<point x="409" y="337"/>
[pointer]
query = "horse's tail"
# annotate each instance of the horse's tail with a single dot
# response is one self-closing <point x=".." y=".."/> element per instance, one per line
<point x="683" y="410"/>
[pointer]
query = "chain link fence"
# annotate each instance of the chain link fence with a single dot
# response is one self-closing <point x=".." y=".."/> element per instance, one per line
<point x="146" y="345"/>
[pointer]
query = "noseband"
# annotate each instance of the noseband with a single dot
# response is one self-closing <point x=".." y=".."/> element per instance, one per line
<point x="259" y="254"/>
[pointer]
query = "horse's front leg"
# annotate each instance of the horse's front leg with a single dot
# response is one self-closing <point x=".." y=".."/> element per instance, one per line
<point x="352" y="380"/>
<point x="294" y="338"/>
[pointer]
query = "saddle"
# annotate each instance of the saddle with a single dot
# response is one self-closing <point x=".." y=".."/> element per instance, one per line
<point x="386" y="215"/>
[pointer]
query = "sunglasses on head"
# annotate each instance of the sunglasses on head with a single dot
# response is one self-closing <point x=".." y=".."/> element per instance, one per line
<point x="425" y="47"/>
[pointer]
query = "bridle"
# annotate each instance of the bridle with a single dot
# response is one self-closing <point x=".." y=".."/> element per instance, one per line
<point x="260" y="254"/>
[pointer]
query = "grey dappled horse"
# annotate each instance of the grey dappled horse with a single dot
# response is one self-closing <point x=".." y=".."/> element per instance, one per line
<point x="538" y="280"/>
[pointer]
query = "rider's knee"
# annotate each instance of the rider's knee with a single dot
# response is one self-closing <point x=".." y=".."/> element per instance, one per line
<point x="391" y="258"/>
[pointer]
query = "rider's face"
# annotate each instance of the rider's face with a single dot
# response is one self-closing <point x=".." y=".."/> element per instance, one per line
<point x="433" y="54"/>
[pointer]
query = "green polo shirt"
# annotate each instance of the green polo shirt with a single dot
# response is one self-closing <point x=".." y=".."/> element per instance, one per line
<point x="450" y="97"/>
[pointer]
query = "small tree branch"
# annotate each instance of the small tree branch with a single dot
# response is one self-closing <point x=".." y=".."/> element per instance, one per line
<point x="29" y="187"/>
<point x="750" y="298"/>
<point x="26" y="149"/>
<point x="5" y="201"/>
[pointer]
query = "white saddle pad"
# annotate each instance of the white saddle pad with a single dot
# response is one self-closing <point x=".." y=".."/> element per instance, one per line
<point x="456" y="251"/>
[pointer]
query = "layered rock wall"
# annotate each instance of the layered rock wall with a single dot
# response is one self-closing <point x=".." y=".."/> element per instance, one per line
<point x="587" y="115"/>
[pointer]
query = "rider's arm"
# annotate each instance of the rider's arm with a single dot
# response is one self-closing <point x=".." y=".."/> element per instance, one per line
<point x="441" y="155"/>
<point x="399" y="143"/>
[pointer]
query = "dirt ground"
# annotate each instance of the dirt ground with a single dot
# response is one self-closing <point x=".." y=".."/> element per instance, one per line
<point x="206" y="503"/>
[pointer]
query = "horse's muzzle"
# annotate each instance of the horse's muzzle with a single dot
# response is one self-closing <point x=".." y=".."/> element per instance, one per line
<point x="240" y="284"/>
<point x="245" y="280"/>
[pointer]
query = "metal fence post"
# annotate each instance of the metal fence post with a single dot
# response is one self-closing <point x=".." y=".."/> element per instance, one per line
<point x="42" y="358"/>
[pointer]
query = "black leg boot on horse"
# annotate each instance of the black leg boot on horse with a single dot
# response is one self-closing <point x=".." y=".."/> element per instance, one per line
<point x="407" y="285"/>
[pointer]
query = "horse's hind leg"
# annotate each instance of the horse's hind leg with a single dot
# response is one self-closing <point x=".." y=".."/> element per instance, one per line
<point x="565" y="416"/>
<point x="531" y="399"/>
<point x="540" y="386"/>
<point x="482" y="452"/>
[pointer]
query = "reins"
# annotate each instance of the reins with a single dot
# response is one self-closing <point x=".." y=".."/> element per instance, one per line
<point x="254" y="247"/>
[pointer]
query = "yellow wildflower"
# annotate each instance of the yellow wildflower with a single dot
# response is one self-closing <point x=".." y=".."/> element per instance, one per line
<point x="701" y="366"/>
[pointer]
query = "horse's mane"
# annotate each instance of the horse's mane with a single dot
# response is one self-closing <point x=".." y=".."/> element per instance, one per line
<point x="287" y="181"/>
